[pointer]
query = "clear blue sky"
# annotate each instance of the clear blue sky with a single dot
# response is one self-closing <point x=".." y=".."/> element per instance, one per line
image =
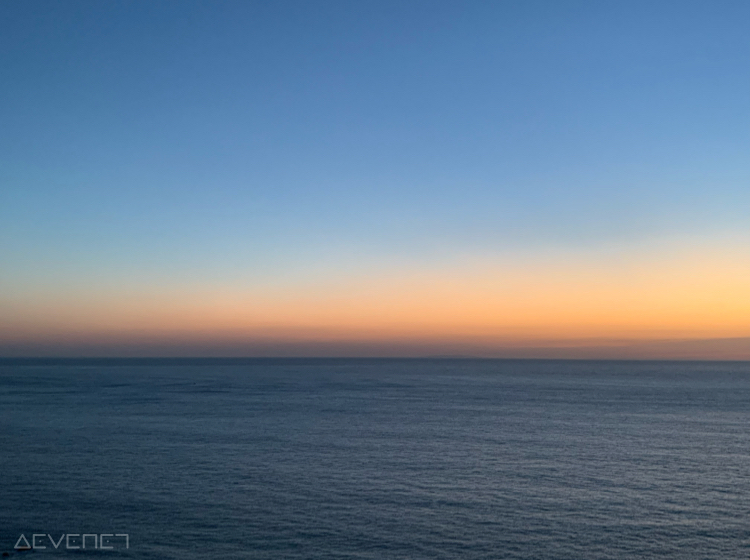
<point x="154" y="141"/>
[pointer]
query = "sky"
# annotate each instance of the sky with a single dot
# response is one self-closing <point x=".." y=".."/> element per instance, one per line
<point x="414" y="178"/>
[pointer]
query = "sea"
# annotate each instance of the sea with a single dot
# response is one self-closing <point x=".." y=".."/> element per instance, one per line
<point x="374" y="459"/>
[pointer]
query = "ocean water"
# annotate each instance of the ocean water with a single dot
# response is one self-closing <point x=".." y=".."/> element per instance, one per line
<point x="376" y="459"/>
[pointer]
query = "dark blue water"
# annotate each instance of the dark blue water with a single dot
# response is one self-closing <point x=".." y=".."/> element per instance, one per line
<point x="377" y="459"/>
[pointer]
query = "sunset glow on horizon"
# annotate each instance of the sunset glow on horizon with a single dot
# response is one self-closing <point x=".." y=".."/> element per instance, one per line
<point x="476" y="307"/>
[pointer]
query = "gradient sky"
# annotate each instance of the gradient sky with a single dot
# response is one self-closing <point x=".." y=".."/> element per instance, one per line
<point x="510" y="178"/>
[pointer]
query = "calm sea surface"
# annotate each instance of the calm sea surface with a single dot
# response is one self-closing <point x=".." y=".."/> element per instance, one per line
<point x="377" y="459"/>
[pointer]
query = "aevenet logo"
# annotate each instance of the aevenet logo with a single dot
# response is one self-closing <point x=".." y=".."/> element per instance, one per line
<point x="74" y="541"/>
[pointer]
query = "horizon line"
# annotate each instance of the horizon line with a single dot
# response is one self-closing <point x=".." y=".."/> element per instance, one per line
<point x="7" y="359"/>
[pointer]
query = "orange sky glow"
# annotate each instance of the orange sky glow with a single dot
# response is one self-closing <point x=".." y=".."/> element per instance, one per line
<point x="644" y="304"/>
